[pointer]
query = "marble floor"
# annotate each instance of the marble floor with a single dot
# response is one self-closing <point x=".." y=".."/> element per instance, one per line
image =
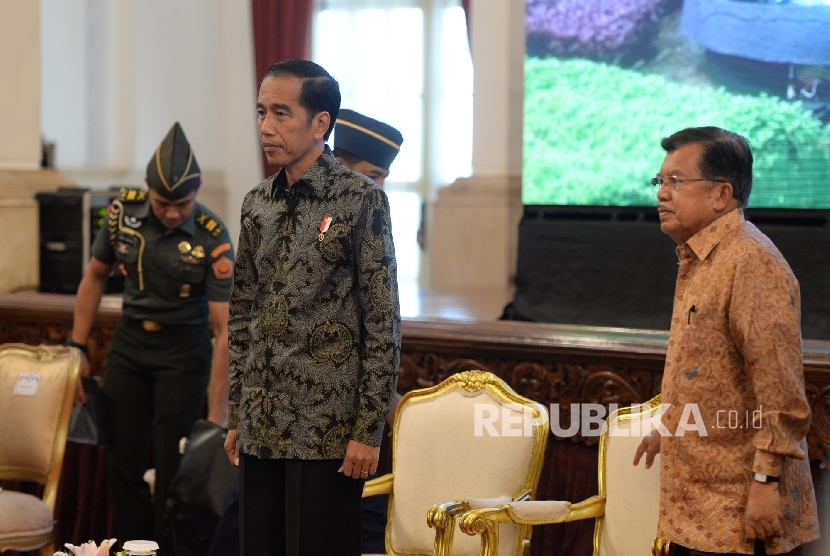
<point x="453" y="303"/>
<point x="464" y="304"/>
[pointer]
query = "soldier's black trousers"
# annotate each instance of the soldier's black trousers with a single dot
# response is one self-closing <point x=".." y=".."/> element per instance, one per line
<point x="154" y="388"/>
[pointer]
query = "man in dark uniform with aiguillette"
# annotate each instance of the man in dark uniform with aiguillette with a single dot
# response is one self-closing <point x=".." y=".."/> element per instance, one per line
<point x="177" y="260"/>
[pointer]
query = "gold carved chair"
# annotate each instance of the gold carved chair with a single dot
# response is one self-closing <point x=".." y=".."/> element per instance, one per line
<point x="445" y="454"/>
<point x="37" y="388"/>
<point x="625" y="510"/>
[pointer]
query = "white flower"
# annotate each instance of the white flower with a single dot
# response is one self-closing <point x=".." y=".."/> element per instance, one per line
<point x="89" y="549"/>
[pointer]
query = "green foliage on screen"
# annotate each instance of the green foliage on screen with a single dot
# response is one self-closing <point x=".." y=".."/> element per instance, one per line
<point x="592" y="136"/>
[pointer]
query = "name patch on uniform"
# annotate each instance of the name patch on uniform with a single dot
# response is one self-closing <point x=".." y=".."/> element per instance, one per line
<point x="223" y="268"/>
<point x="127" y="239"/>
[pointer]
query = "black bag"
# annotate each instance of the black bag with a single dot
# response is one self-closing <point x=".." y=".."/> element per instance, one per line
<point x="88" y="424"/>
<point x="191" y="531"/>
<point x="200" y="489"/>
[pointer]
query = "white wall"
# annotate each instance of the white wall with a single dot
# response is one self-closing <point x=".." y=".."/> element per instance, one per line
<point x="116" y="74"/>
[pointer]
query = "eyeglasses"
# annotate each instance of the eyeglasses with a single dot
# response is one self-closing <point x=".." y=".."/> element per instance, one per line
<point x="674" y="182"/>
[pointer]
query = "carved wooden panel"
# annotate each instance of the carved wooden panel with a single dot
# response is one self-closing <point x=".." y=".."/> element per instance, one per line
<point x="35" y="333"/>
<point x="545" y="382"/>
<point x="550" y="364"/>
<point x="818" y="439"/>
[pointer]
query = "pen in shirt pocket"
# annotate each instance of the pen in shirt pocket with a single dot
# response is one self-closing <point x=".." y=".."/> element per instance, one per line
<point x="692" y="309"/>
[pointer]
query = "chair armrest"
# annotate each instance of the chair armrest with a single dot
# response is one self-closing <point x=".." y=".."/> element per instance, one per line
<point x="381" y="485"/>
<point x="485" y="521"/>
<point x="553" y="511"/>
<point x="441" y="517"/>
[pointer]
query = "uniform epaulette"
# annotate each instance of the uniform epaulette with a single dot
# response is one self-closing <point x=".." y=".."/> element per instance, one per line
<point x="209" y="223"/>
<point x="131" y="195"/>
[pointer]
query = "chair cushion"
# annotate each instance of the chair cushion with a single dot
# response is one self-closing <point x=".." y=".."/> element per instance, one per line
<point x="23" y="516"/>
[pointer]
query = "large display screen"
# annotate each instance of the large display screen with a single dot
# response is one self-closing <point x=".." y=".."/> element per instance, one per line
<point x="606" y="80"/>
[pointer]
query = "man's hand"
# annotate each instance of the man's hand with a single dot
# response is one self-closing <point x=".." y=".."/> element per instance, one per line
<point x="230" y="447"/>
<point x="650" y="446"/>
<point x="361" y="460"/>
<point x="763" y="508"/>
<point x="80" y="395"/>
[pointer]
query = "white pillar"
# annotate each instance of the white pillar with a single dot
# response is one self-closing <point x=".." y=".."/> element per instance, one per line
<point x="498" y="49"/>
<point x="474" y="224"/>
<point x="20" y="147"/>
<point x="20" y="144"/>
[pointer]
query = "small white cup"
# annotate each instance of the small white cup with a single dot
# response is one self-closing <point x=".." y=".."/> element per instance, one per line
<point x="141" y="548"/>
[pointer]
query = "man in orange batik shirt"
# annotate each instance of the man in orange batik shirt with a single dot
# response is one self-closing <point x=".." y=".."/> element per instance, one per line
<point x="734" y="474"/>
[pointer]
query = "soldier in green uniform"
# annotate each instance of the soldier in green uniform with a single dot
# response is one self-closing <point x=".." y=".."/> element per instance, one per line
<point x="177" y="260"/>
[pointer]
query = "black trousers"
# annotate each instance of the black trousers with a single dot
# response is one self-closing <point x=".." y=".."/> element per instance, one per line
<point x="298" y="508"/>
<point x="225" y="541"/>
<point x="154" y="391"/>
<point x="678" y="550"/>
<point x="373" y="515"/>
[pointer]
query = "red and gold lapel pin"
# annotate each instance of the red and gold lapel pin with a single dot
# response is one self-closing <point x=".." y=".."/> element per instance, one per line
<point x="324" y="226"/>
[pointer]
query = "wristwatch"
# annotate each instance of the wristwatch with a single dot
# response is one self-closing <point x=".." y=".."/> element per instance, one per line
<point x="72" y="343"/>
<point x="761" y="478"/>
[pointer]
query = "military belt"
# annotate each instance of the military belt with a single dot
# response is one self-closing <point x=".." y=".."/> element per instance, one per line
<point x="149" y="325"/>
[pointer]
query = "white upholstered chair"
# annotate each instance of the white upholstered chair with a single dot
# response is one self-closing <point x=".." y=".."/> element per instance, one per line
<point x="626" y="508"/>
<point x="37" y="388"/>
<point x="445" y="452"/>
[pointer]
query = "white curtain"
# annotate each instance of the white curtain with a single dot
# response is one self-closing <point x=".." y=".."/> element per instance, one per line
<point x="407" y="63"/>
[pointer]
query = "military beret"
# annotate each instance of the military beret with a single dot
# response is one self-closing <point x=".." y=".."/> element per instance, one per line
<point x="173" y="171"/>
<point x="366" y="138"/>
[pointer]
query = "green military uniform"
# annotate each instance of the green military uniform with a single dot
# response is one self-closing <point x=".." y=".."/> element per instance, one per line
<point x="169" y="274"/>
<point x="159" y="359"/>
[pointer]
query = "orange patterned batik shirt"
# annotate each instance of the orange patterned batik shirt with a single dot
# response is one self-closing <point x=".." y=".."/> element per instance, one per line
<point x="735" y="382"/>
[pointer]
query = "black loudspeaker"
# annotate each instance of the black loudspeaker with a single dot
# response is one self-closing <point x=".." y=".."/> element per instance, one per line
<point x="69" y="220"/>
